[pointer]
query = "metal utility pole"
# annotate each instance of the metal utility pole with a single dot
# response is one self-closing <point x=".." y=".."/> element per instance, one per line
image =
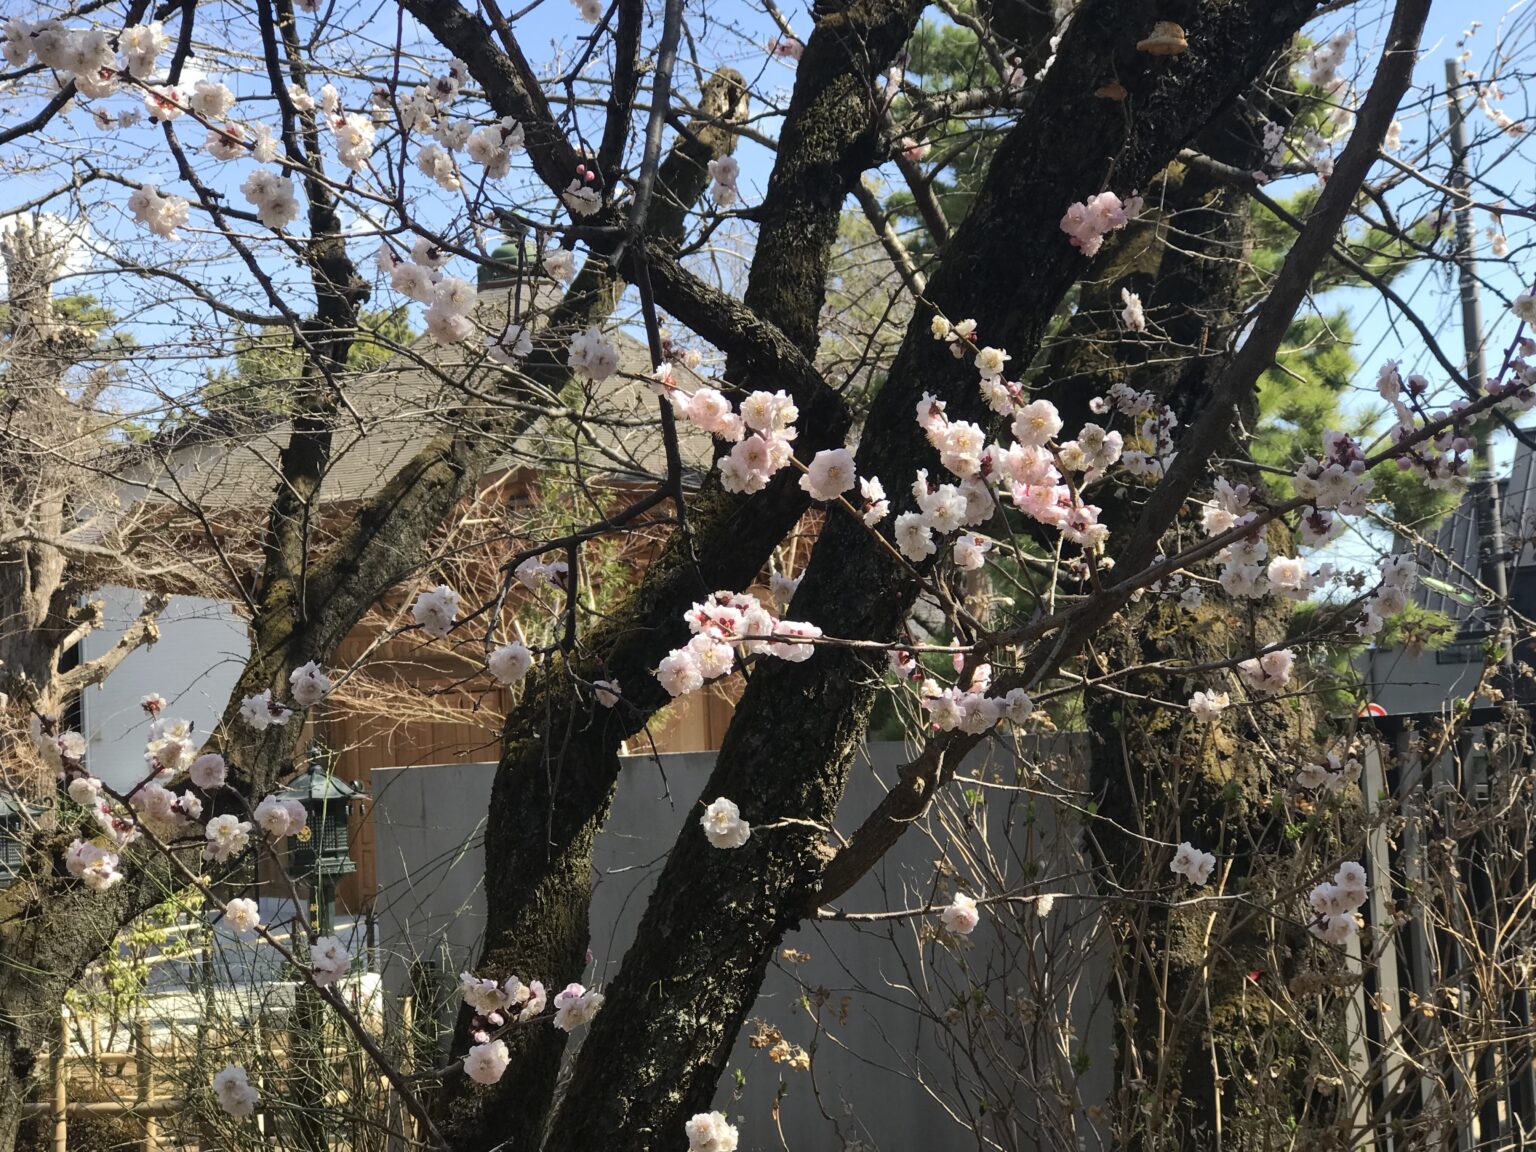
<point x="1485" y="487"/>
<point x="1507" y="1076"/>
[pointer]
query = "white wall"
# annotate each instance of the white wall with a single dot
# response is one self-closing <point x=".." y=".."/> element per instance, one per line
<point x="194" y="665"/>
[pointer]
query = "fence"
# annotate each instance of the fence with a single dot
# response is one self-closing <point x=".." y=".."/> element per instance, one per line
<point x="149" y="1106"/>
<point x="149" y="1070"/>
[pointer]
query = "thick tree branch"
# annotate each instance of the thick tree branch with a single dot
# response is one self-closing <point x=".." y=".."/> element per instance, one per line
<point x="715" y="917"/>
<point x="919" y="780"/>
<point x="145" y="629"/>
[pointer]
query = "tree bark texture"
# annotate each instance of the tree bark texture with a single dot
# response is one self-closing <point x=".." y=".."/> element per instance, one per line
<point x="707" y="935"/>
<point x="559" y="760"/>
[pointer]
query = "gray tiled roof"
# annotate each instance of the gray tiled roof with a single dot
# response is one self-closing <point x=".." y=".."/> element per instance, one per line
<point x="1455" y="555"/>
<point x="393" y="412"/>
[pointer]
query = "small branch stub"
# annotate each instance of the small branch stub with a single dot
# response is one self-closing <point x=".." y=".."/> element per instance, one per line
<point x="1167" y="39"/>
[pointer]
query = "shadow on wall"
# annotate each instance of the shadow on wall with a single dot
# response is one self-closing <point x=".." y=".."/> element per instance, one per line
<point x="915" y="1040"/>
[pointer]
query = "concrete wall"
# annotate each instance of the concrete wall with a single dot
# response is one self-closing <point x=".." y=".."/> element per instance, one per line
<point x="1405" y="682"/>
<point x="884" y="987"/>
<point x="194" y="665"/>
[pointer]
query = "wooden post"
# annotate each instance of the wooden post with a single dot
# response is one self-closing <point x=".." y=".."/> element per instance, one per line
<point x="60" y="1073"/>
<point x="143" y="1061"/>
<point x="405" y="1048"/>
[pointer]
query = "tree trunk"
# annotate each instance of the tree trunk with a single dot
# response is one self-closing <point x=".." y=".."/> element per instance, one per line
<point x="656" y="1050"/>
<point x="559" y="759"/>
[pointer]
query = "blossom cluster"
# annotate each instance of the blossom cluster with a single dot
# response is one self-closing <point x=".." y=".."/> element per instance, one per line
<point x="1335" y="902"/>
<point x="710" y="1132"/>
<point x="1192" y="864"/>
<point x="723" y="825"/>
<point x="450" y="300"/>
<point x="227" y="836"/>
<point x="724" y="172"/>
<point x="92" y="863"/>
<point x="971" y="709"/>
<point x="592" y="356"/>
<point x="85" y="56"/>
<point x="1326" y="60"/>
<point x="279" y="818"/>
<point x="160" y="213"/>
<point x="234" y="1091"/>
<point x="724" y="624"/>
<point x="1330" y="772"/>
<point x="494" y="1005"/>
<point x="272" y="194"/>
<point x="1339" y="481"/>
<point x="162" y="811"/>
<point x="762" y="432"/>
<point x="1089" y="221"/>
<point x="1390" y="597"/>
<point x="1269" y="672"/>
<point x="1043" y="476"/>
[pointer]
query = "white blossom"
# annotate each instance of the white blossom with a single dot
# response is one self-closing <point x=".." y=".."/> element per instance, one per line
<point x="510" y="663"/>
<point x="262" y="712"/>
<point x="830" y="474"/>
<point x="161" y="214"/>
<point x="227" y="836"/>
<point x="1208" y="706"/>
<point x="1132" y="315"/>
<point x="435" y="610"/>
<point x="233" y="1089"/>
<point x="1269" y="672"/>
<point x="328" y="961"/>
<point x="308" y="685"/>
<point x="1192" y="864"/>
<point x="486" y="1063"/>
<point x="242" y="915"/>
<point x="723" y="825"/>
<point x="209" y="771"/>
<point x="710" y="1132"/>
<point x="576" y="1006"/>
<point x="593" y="356"/>
<point x="962" y="915"/>
<point x="279" y="818"/>
<point x="210" y="100"/>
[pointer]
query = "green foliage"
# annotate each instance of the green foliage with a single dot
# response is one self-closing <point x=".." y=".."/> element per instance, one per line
<point x="267" y="365"/>
<point x="82" y="320"/>
<point x="946" y="56"/>
<point x="118" y="984"/>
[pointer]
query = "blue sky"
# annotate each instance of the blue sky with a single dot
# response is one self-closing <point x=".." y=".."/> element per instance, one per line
<point x="737" y="33"/>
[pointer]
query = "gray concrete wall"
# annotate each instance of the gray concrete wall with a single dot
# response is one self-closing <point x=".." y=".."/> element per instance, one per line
<point x="1405" y="682"/>
<point x="886" y="990"/>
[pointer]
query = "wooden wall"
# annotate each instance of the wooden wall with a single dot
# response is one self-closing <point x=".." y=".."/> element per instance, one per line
<point x="433" y="708"/>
